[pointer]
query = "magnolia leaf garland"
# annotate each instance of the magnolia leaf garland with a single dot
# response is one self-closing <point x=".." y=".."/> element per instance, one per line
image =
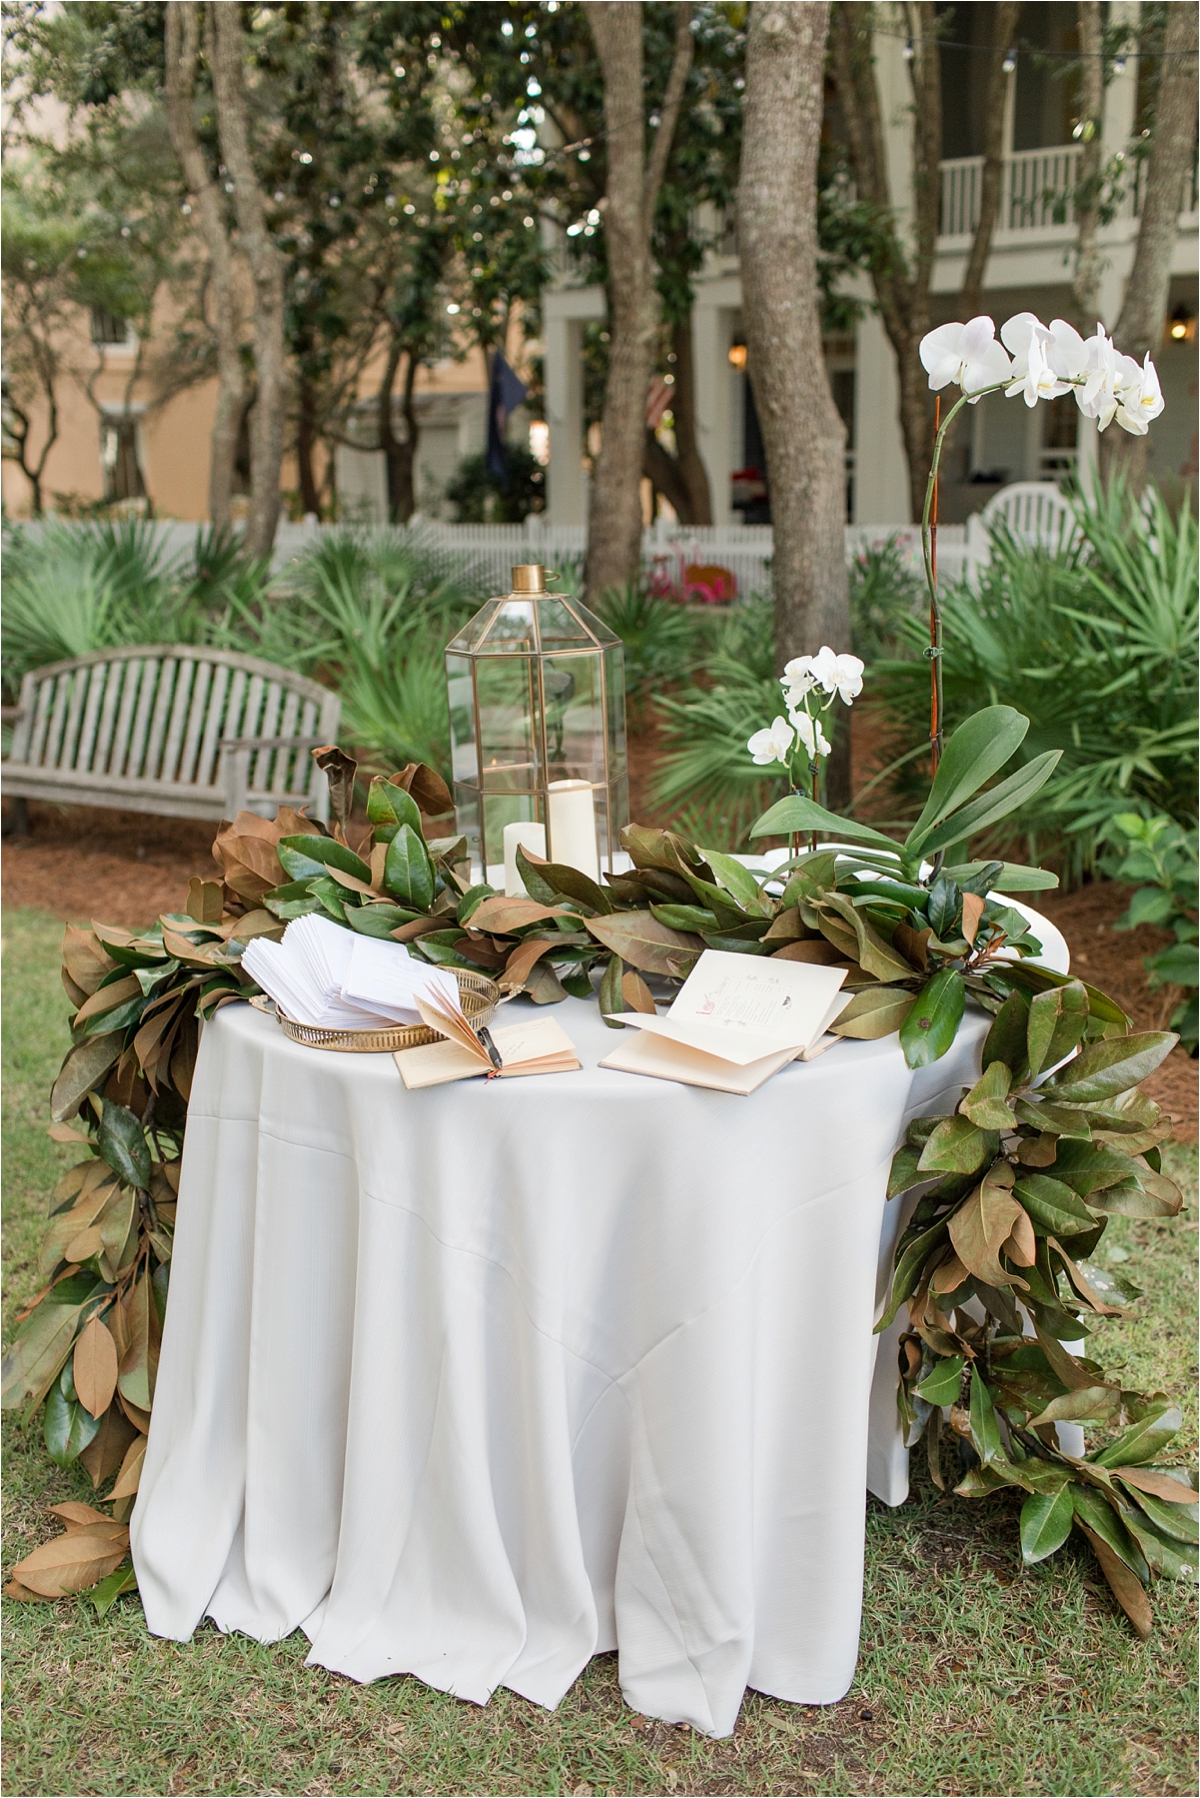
<point x="1013" y="1190"/>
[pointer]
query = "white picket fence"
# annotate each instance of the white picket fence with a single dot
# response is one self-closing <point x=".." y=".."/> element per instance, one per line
<point x="486" y="553"/>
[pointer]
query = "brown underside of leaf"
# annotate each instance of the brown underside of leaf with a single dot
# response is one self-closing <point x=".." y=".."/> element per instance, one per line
<point x="1127" y="1588"/>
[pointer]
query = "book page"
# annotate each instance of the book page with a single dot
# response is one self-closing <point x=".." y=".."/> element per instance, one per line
<point x="743" y="1007"/>
<point x="665" y="1059"/>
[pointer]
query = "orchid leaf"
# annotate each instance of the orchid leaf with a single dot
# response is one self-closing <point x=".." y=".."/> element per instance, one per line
<point x="993" y="805"/>
<point x="978" y="749"/>
<point x="795" y="814"/>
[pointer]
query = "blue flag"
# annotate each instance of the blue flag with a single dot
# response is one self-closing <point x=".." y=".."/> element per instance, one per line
<point x="506" y="393"/>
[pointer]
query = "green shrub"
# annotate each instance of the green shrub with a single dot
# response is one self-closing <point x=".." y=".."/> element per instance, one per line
<point x="1096" y="644"/>
<point x="481" y="497"/>
<point x="886" y="594"/>
<point x="1160" y="858"/>
<point x="662" y="640"/>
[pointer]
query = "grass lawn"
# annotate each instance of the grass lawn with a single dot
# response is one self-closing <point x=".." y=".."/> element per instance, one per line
<point x="975" y="1676"/>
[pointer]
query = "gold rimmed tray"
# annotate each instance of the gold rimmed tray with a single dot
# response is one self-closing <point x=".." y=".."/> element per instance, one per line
<point x="479" y="995"/>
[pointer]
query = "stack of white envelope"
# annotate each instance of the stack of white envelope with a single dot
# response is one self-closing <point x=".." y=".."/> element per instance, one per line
<point x="333" y="979"/>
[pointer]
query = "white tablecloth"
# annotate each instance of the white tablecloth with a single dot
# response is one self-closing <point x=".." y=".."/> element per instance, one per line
<point x="478" y="1381"/>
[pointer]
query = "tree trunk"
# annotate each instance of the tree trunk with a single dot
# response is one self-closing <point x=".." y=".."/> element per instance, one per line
<point x="266" y="268"/>
<point x="803" y="434"/>
<point x="614" y="506"/>
<point x="399" y="457"/>
<point x="901" y="280"/>
<point x="1088" y="262"/>
<point x="182" y="50"/>
<point x="1007" y="13"/>
<point x="306" y="444"/>
<point x="1143" y="314"/>
<point x="682" y="478"/>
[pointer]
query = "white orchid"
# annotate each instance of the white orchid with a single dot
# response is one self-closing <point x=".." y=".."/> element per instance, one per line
<point x="841" y="674"/>
<point x="773" y="745"/>
<point x="1038" y="380"/>
<point x="1150" y="401"/>
<point x="810" y="734"/>
<point x="966" y="355"/>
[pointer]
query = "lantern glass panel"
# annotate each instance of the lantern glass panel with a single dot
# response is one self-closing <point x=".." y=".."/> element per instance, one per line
<point x="537" y="699"/>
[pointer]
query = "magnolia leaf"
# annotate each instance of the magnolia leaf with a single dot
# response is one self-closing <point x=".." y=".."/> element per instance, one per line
<point x="339" y="770"/>
<point x="738" y="881"/>
<point x="1159" y="1484"/>
<point x="66" y="1427"/>
<point x="205" y="902"/>
<point x="904" y="1171"/>
<point x="1054" y="1209"/>
<point x="639" y="938"/>
<point x="993" y="805"/>
<point x="909" y="1264"/>
<point x="985" y="1103"/>
<point x="1126" y="1588"/>
<point x="873" y="953"/>
<point x="1165" y="1554"/>
<point x="1057" y="1020"/>
<point x="957" y="1146"/>
<point x="37" y="1352"/>
<point x="427" y="787"/>
<point x="95" y="1368"/>
<point x="560" y="881"/>
<point x="520" y="963"/>
<point x="611" y="997"/>
<point x="105" y="1595"/>
<point x="105" y="1452"/>
<point x="873" y="1012"/>
<point x="122" y="1144"/>
<point x="980" y="1228"/>
<point x="637" y="994"/>
<point x="408" y="871"/>
<point x="1006" y="1039"/>
<point x="941" y="1387"/>
<point x="985" y="1431"/>
<point x="502" y="916"/>
<point x="795" y="814"/>
<point x="73" y="1562"/>
<point x="1046" y="1519"/>
<point x="107" y="998"/>
<point x="1142" y="1441"/>
<point x="1109" y="1067"/>
<point x="135" y="1379"/>
<point x="82" y="1071"/>
<point x="1088" y="1404"/>
<point x="388" y="807"/>
<point x="1054" y="1120"/>
<point x="543" y="985"/>
<point x="76" y="1515"/>
<point x="1175" y="1517"/>
<point x="131" y="1469"/>
<point x="1021" y="1246"/>
<point x="1080" y="1282"/>
<point x="932" y="1024"/>
<point x="978" y="749"/>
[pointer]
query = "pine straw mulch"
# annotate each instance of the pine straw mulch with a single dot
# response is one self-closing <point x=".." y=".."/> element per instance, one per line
<point x="124" y="868"/>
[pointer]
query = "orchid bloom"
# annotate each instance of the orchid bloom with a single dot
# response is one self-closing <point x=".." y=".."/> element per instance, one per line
<point x="810" y="734"/>
<point x="832" y="673"/>
<point x="773" y="745"/>
<point x="797" y="679"/>
<point x="967" y="355"/>
<point x="1039" y="381"/>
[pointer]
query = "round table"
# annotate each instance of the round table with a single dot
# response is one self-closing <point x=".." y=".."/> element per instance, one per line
<point x="478" y="1381"/>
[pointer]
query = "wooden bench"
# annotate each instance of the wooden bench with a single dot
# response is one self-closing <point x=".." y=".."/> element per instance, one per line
<point x="168" y="729"/>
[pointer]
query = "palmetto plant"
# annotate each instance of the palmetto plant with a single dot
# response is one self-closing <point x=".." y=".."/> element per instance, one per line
<point x="1095" y="644"/>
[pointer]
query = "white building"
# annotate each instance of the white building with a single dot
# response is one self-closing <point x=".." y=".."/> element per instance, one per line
<point x="1029" y="268"/>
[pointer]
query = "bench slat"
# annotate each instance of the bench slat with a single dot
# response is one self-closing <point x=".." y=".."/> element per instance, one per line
<point x="137" y="741"/>
<point x="183" y="692"/>
<point x="168" y="673"/>
<point x="212" y="730"/>
<point x="120" y="741"/>
<point x="197" y="713"/>
<point x="260" y="770"/>
<point x="112" y="694"/>
<point x="98" y="676"/>
<point x="79" y="685"/>
<point x="280" y="770"/>
<point x="45" y="702"/>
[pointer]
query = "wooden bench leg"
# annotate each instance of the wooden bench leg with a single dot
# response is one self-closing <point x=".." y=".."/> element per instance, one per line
<point x="17" y="823"/>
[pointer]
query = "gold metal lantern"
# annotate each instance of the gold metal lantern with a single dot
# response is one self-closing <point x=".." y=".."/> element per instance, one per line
<point x="537" y="730"/>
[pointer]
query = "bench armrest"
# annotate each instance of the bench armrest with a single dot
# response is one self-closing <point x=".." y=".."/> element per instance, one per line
<point x="10" y="713"/>
<point x="269" y="742"/>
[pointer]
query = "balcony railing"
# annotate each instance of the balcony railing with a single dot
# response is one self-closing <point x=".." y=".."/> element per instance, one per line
<point x="1037" y="193"/>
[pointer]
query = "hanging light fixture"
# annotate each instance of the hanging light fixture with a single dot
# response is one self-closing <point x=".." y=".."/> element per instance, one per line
<point x="1010" y="62"/>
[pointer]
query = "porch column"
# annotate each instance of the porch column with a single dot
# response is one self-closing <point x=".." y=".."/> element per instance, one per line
<point x="713" y="321"/>
<point x="566" y="499"/>
<point x="880" y="466"/>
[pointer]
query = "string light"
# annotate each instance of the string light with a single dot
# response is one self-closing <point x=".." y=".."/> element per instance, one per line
<point x="909" y="52"/>
<point x="1010" y="62"/>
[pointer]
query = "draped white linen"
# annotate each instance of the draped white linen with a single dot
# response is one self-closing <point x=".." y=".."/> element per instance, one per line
<point x="478" y="1381"/>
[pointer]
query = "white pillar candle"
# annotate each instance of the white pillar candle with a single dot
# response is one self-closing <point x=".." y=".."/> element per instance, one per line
<point x="520" y="836"/>
<point x="573" y="826"/>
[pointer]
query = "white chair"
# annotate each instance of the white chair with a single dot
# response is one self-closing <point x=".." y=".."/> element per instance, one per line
<point x="1033" y="511"/>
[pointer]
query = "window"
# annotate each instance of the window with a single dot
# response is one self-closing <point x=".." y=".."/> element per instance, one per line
<point x="119" y="453"/>
<point x="1059" y="435"/>
<point x="108" y="329"/>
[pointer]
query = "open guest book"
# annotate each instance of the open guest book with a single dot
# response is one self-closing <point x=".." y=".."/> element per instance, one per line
<point x="736" y="1020"/>
<point x="539" y="1046"/>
